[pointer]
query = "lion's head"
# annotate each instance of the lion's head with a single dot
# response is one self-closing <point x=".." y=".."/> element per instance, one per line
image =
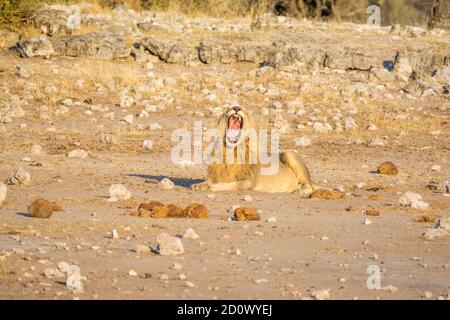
<point x="235" y="125"/>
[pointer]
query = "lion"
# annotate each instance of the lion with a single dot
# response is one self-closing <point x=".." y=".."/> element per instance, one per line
<point x="235" y="126"/>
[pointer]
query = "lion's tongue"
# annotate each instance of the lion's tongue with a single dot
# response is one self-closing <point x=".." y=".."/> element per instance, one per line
<point x="234" y="125"/>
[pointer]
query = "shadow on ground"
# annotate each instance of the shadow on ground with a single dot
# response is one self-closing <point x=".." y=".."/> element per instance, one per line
<point x="181" y="182"/>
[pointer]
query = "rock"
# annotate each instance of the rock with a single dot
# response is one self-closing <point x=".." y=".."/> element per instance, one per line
<point x="271" y="219"/>
<point x="140" y="248"/>
<point x="168" y="245"/>
<point x="108" y="138"/>
<point x="413" y="200"/>
<point x="34" y="47"/>
<point x="434" y="233"/>
<point x="372" y="212"/>
<point x="41" y="208"/>
<point x="148" y="144"/>
<point x="443" y="223"/>
<point x="323" y="294"/>
<point x="248" y="198"/>
<point x="302" y="141"/>
<point x="114" y="234"/>
<point x="73" y="281"/>
<point x="128" y="119"/>
<point x="175" y="211"/>
<point x="176" y="266"/>
<point x="246" y="214"/>
<point x="327" y="194"/>
<point x="36" y="150"/>
<point x="78" y="153"/>
<point x="390" y="288"/>
<point x="196" y="210"/>
<point x="153" y="209"/>
<point x="54" y="19"/>
<point x="95" y="45"/>
<point x="428" y="295"/>
<point x="3" y="190"/>
<point x="387" y="168"/>
<point x="367" y="222"/>
<point x="63" y="266"/>
<point x="349" y="123"/>
<point x="23" y="72"/>
<point x="190" y="234"/>
<point x="19" y="177"/>
<point x="435" y="168"/>
<point x="167" y="184"/>
<point x="132" y="273"/>
<point x="119" y="192"/>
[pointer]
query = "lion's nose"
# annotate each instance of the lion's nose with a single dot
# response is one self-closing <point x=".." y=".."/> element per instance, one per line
<point x="236" y="109"/>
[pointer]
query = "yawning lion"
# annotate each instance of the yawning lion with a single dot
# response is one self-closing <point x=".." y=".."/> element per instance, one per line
<point x="235" y="125"/>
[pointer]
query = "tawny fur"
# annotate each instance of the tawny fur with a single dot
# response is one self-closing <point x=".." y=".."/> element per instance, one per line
<point x="292" y="176"/>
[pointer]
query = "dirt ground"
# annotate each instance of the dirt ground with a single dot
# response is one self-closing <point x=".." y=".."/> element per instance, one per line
<point x="313" y="244"/>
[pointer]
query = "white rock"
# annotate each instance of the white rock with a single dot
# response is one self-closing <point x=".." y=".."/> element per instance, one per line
<point x="166" y="183"/>
<point x="114" y="234"/>
<point x="36" y="150"/>
<point x="272" y="219"/>
<point x="443" y="223"/>
<point x="168" y="245"/>
<point x="390" y="288"/>
<point x="148" y="144"/>
<point x="128" y="118"/>
<point x="248" y="198"/>
<point x="322" y="127"/>
<point x="119" y="192"/>
<point x="323" y="294"/>
<point x="433" y="233"/>
<point x="190" y="234"/>
<point x="302" y="141"/>
<point x="63" y="266"/>
<point x="132" y="273"/>
<point x="73" y="281"/>
<point x="413" y="200"/>
<point x="435" y="167"/>
<point x="372" y="127"/>
<point x="154" y="126"/>
<point x="3" y="190"/>
<point x="176" y="266"/>
<point x="367" y="221"/>
<point x="190" y="284"/>
<point x="349" y="123"/>
<point x="19" y="177"/>
<point x="78" y="153"/>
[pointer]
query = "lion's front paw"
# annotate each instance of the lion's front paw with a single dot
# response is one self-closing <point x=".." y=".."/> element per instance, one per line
<point x="200" y="186"/>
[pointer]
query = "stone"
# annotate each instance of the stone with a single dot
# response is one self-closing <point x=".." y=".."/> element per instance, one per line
<point x="367" y="222"/>
<point x="176" y="266"/>
<point x="36" y="150"/>
<point x="190" y="234"/>
<point x="114" y="234"/>
<point x="132" y="273"/>
<point x="73" y="281"/>
<point x="246" y="214"/>
<point x="19" y="177"/>
<point x="168" y="245"/>
<point x="153" y="209"/>
<point x="435" y="168"/>
<point x="167" y="184"/>
<point x="128" y="119"/>
<point x="302" y="141"/>
<point x="323" y="294"/>
<point x="196" y="210"/>
<point x="119" y="192"/>
<point x="63" y="266"/>
<point x="387" y="168"/>
<point x="3" y="190"/>
<point x="39" y="46"/>
<point x="413" y="200"/>
<point x="327" y="194"/>
<point x="108" y="138"/>
<point x="148" y="144"/>
<point x="349" y="123"/>
<point x="443" y="223"/>
<point x="95" y="45"/>
<point x="78" y="153"/>
<point x="248" y="198"/>
<point x="55" y="19"/>
<point x="140" y="248"/>
<point x="41" y="208"/>
<point x="434" y="233"/>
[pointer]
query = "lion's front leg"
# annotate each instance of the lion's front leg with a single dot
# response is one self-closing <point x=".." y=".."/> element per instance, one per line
<point x="231" y="186"/>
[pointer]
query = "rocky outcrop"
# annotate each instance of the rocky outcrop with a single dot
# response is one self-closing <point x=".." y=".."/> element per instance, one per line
<point x="57" y="19"/>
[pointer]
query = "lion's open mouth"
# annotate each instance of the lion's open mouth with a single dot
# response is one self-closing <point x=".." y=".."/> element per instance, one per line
<point x="235" y="125"/>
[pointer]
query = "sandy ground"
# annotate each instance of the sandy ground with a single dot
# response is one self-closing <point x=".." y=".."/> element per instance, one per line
<point x="314" y="244"/>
